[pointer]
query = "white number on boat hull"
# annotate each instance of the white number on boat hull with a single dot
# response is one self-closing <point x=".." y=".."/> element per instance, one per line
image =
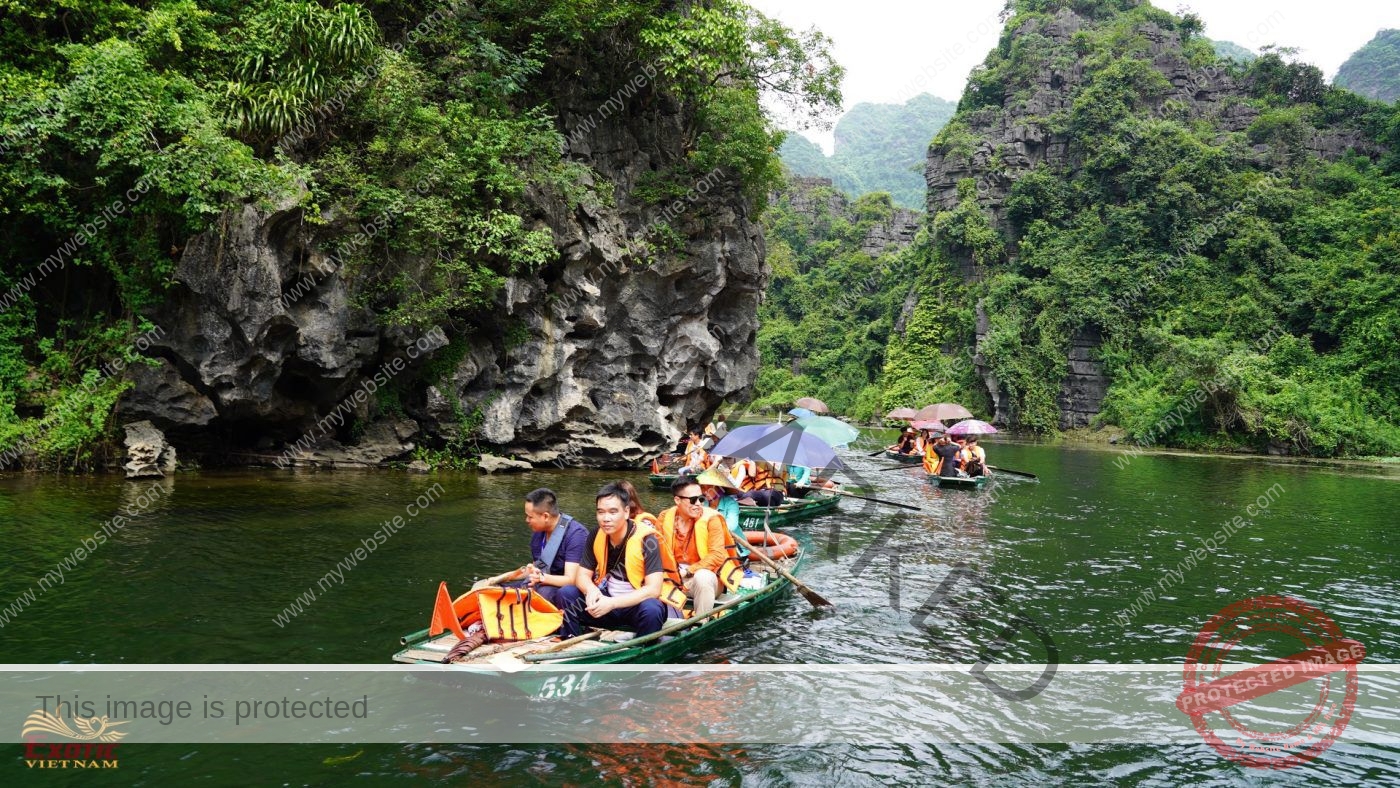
<point x="562" y="686"/>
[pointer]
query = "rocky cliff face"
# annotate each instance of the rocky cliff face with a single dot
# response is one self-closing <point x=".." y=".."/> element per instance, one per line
<point x="1000" y="144"/>
<point x="611" y="352"/>
<point x="818" y="197"/>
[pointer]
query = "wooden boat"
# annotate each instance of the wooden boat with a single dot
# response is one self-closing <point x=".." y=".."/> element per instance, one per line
<point x="813" y="504"/>
<point x="662" y="481"/>
<point x="908" y="459"/>
<point x="677" y="639"/>
<point x="958" y="482"/>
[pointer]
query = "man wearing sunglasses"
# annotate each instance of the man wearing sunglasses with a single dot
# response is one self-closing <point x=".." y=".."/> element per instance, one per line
<point x="699" y="540"/>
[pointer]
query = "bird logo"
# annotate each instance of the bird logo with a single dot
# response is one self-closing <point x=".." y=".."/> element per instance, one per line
<point x="89" y="728"/>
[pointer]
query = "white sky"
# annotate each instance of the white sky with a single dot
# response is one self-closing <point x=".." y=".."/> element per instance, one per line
<point x="895" y="49"/>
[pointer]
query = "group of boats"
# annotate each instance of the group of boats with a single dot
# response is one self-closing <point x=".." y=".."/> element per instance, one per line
<point x="770" y="578"/>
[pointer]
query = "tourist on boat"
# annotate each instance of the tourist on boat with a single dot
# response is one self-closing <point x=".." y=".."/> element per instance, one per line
<point x="636" y="507"/>
<point x="767" y="484"/>
<point x="723" y="496"/>
<point x="907" y="443"/>
<point x="959" y="444"/>
<point x="557" y="545"/>
<point x="947" y="453"/>
<point x="701" y="547"/>
<point x="721" y="428"/>
<point x="974" y="458"/>
<point x="622" y="582"/>
<point x="697" y="458"/>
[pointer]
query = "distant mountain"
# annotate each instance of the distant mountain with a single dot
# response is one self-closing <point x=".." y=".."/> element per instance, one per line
<point x="879" y="148"/>
<point x="1233" y="51"/>
<point x="1374" y="70"/>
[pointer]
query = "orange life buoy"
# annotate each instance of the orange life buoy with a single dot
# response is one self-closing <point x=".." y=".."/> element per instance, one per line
<point x="775" y="546"/>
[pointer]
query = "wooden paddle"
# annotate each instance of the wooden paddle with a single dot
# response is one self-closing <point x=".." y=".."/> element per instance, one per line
<point x="816" y="599"/>
<point x="1013" y="473"/>
<point x="862" y="497"/>
<point x="498" y="579"/>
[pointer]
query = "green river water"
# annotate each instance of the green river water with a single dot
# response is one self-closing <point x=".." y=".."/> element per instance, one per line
<point x="213" y="557"/>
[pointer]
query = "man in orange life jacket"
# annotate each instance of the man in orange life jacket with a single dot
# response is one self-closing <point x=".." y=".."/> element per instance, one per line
<point x="622" y="579"/>
<point x="700" y="544"/>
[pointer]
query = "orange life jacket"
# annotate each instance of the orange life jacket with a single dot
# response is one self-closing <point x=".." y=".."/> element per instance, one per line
<point x="505" y="613"/>
<point x="731" y="572"/>
<point x="743" y="473"/>
<point x="760" y="476"/>
<point x="932" y="462"/>
<point x="635" y="564"/>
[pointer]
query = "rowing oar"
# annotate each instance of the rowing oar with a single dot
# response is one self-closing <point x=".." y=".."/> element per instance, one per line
<point x="1014" y="473"/>
<point x="816" y="599"/>
<point x="491" y="581"/>
<point x="910" y="466"/>
<point x="862" y="497"/>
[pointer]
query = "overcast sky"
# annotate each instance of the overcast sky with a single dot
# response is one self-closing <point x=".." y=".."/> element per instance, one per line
<point x="895" y="49"/>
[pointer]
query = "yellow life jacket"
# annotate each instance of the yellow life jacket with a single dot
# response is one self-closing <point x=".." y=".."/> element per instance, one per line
<point x="635" y="564"/>
<point x="731" y="572"/>
<point x="505" y="613"/>
<point x="932" y="461"/>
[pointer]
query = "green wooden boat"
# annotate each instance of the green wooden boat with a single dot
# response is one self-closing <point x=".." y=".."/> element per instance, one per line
<point x="908" y="459"/>
<point x="662" y="481"/>
<point x="958" y="482"/>
<point x="753" y="517"/>
<point x="673" y="642"/>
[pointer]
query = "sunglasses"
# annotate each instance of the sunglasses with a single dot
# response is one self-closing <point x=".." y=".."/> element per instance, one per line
<point x="694" y="499"/>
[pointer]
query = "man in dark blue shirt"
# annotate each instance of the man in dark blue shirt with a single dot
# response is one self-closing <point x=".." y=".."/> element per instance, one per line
<point x="556" y="547"/>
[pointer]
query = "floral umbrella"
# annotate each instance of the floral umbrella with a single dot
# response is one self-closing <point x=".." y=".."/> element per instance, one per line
<point x="971" y="427"/>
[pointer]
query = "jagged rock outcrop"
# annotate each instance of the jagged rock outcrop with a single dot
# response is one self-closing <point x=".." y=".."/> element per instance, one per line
<point x="148" y="454"/>
<point x="615" y="349"/>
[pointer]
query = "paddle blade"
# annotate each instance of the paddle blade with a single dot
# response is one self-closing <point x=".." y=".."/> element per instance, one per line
<point x="808" y="594"/>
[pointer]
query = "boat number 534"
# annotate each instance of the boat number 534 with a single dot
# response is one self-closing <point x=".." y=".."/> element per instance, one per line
<point x="562" y="686"/>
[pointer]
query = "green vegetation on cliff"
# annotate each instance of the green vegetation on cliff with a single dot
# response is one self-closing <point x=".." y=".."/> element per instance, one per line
<point x="1374" y="69"/>
<point x="878" y="148"/>
<point x="830" y="307"/>
<point x="1247" y="295"/>
<point x="1235" y="263"/>
<point x="128" y="127"/>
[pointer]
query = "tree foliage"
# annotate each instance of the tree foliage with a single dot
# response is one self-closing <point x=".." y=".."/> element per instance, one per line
<point x="409" y="133"/>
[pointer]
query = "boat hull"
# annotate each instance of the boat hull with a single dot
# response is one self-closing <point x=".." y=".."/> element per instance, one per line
<point x="662" y="481"/>
<point x="907" y="459"/>
<point x="958" y="482"/>
<point x="754" y="517"/>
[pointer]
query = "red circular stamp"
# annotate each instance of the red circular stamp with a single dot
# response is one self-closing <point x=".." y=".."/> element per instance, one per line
<point x="1226" y="707"/>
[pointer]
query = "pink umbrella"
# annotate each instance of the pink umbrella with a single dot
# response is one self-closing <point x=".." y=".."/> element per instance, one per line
<point x="815" y="405"/>
<point x="936" y="426"/>
<point x="907" y="414"/>
<point x="971" y="427"/>
<point x="943" y="411"/>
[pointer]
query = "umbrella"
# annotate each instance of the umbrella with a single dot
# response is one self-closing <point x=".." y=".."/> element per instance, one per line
<point x="907" y="414"/>
<point x="787" y="444"/>
<point x="832" y="431"/>
<point x="971" y="427"/>
<point x="815" y="405"/>
<point x="929" y="424"/>
<point x="943" y="411"/>
<point x="801" y="413"/>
